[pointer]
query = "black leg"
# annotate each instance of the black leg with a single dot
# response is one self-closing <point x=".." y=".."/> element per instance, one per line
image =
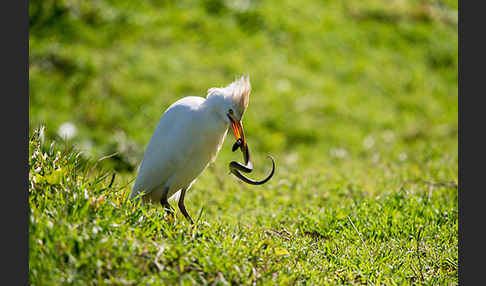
<point x="182" y="207"/>
<point x="165" y="203"/>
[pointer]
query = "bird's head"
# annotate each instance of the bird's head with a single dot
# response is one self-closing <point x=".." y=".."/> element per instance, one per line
<point x="231" y="102"/>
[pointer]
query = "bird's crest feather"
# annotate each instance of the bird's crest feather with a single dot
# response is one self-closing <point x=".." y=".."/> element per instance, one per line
<point x="239" y="91"/>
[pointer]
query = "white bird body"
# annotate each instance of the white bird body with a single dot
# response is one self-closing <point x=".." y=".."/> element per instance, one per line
<point x="186" y="140"/>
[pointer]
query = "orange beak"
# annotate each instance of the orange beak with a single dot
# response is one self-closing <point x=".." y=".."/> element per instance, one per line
<point x="238" y="130"/>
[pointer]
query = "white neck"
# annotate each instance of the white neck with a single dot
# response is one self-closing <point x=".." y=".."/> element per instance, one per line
<point x="213" y="106"/>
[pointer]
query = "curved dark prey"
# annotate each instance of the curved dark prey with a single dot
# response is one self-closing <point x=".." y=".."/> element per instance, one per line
<point x="236" y="167"/>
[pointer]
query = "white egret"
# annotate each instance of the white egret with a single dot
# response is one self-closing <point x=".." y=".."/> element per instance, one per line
<point x="188" y="138"/>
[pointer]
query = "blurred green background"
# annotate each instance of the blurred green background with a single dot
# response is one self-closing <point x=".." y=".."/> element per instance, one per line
<point x="334" y="82"/>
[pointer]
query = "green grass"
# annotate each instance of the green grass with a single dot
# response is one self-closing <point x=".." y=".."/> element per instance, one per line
<point x="357" y="102"/>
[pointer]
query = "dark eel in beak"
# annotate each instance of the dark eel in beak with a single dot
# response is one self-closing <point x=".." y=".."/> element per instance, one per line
<point x="236" y="167"/>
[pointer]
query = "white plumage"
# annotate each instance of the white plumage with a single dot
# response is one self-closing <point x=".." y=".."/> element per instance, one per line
<point x="176" y="155"/>
<point x="187" y="138"/>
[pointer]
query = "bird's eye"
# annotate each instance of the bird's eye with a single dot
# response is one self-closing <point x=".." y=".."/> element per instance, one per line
<point x="230" y="111"/>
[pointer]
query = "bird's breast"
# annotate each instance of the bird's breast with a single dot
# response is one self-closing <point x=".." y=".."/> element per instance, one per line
<point x="203" y="150"/>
